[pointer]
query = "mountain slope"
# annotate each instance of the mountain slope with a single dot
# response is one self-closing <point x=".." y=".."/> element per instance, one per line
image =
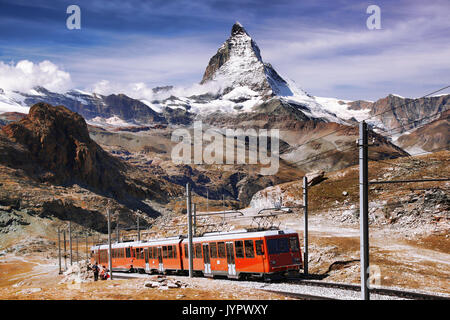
<point x="432" y="136"/>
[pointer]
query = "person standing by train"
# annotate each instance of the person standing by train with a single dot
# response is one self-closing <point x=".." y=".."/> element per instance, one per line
<point x="95" y="269"/>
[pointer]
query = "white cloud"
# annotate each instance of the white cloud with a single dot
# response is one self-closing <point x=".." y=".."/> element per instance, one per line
<point x="408" y="56"/>
<point x="25" y="75"/>
<point x="140" y="90"/>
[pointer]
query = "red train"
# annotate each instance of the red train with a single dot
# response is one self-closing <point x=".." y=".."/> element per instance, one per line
<point x="237" y="254"/>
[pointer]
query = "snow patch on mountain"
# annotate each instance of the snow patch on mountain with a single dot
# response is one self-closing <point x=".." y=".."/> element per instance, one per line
<point x="114" y="121"/>
<point x="341" y="109"/>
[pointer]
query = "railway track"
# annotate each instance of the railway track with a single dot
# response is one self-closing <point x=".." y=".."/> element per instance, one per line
<point x="381" y="291"/>
<point x="299" y="296"/>
<point x="318" y="283"/>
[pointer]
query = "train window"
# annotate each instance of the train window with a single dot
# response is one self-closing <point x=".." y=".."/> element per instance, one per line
<point x="155" y="252"/>
<point x="198" y="250"/>
<point x="164" y="252"/>
<point x="249" y="251"/>
<point x="239" y="249"/>
<point x="103" y="256"/>
<point x="221" y="249"/>
<point x="293" y="244"/>
<point x="169" y="252"/>
<point x="127" y="252"/>
<point x="283" y="244"/>
<point x="174" y="251"/>
<point x="186" y="251"/>
<point x="213" y="249"/>
<point x="280" y="245"/>
<point x="259" y="247"/>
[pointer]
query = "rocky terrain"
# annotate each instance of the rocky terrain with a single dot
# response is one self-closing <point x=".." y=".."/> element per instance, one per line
<point x="69" y="157"/>
<point x="414" y="209"/>
<point x="50" y="167"/>
<point x="429" y="137"/>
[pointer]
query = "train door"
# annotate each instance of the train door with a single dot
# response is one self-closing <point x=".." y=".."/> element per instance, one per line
<point x="147" y="267"/>
<point x="160" y="260"/>
<point x="206" y="258"/>
<point x="230" y="259"/>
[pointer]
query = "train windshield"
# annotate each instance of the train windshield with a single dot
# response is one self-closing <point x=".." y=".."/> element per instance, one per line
<point x="276" y="246"/>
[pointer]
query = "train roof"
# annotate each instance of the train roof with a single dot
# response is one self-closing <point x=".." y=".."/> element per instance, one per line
<point x="242" y="234"/>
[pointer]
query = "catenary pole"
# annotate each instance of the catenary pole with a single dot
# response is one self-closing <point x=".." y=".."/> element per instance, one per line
<point x="59" y="250"/>
<point x="70" y="241"/>
<point x="65" y="250"/>
<point x="138" y="230"/>
<point x="109" y="244"/>
<point x="364" y="209"/>
<point x="305" y="223"/>
<point x="190" y="240"/>
<point x="195" y="219"/>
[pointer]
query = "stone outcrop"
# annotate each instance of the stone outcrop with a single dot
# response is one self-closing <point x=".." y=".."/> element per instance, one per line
<point x="58" y="141"/>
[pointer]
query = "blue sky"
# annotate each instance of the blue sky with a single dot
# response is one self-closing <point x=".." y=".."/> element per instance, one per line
<point x="324" y="46"/>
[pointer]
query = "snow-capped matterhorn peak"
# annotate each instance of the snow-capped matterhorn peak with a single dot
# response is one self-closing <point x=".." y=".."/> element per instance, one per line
<point x="238" y="63"/>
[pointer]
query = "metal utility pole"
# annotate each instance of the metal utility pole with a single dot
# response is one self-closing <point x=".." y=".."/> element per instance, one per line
<point x="364" y="208"/>
<point x="87" y="250"/>
<point x="117" y="231"/>
<point x="138" y="231"/>
<point x="59" y="250"/>
<point x="109" y="244"/>
<point x="65" y="254"/>
<point x="190" y="240"/>
<point x="207" y="200"/>
<point x="195" y="219"/>
<point x="70" y="242"/>
<point x="305" y="220"/>
<point x="76" y="241"/>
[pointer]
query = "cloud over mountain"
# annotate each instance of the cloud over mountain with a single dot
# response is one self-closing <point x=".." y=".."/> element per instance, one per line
<point x="25" y="75"/>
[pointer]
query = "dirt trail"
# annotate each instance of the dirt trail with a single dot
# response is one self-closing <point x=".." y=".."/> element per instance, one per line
<point x="32" y="278"/>
<point x="402" y="262"/>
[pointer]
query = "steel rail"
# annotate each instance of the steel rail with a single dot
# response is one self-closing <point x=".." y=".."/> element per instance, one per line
<point x="377" y="290"/>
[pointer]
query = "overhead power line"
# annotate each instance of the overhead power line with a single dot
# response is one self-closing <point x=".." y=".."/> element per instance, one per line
<point x="375" y="115"/>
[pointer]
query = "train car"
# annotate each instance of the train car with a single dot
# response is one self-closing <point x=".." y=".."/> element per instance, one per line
<point x="159" y="255"/>
<point x="237" y="254"/>
<point x="241" y="254"/>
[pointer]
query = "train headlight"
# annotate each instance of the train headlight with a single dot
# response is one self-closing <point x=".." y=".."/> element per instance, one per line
<point x="296" y="260"/>
<point x="273" y="262"/>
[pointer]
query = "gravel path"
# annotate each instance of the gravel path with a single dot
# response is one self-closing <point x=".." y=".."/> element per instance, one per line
<point x="332" y="293"/>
